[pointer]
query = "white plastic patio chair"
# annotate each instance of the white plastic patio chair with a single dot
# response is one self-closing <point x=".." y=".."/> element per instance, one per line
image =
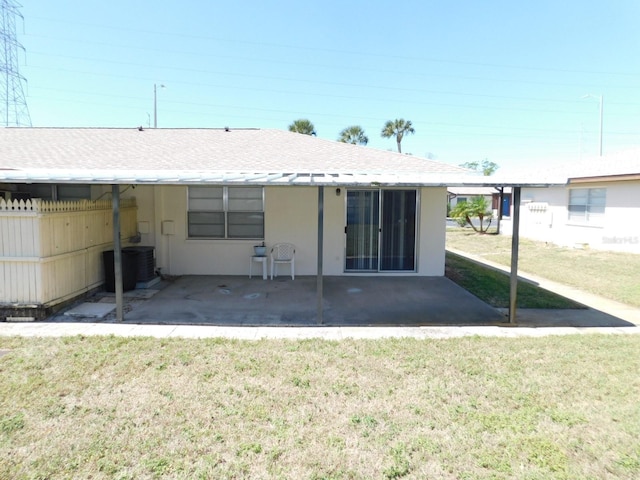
<point x="283" y="253"/>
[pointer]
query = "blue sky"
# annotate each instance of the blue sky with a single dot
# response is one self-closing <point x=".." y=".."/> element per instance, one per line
<point x="501" y="80"/>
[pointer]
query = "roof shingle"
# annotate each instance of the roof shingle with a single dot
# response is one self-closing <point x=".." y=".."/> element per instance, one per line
<point x="260" y="150"/>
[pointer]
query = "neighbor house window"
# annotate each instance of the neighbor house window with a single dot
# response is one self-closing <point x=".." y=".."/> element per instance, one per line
<point x="587" y="205"/>
<point x="226" y="212"/>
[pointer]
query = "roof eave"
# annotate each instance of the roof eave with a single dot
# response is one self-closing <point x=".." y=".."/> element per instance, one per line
<point x="606" y="178"/>
<point x="182" y="177"/>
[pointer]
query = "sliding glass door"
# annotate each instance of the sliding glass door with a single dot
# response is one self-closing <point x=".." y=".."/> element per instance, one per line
<point x="398" y="232"/>
<point x="381" y="230"/>
<point x="363" y="227"/>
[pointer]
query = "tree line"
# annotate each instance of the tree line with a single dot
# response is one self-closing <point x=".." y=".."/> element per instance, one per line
<point x="355" y="134"/>
<point x="397" y="129"/>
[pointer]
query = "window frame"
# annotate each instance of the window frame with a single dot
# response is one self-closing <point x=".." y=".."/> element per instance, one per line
<point x="227" y="211"/>
<point x="595" y="198"/>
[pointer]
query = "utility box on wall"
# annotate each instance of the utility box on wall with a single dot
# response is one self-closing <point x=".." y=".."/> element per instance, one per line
<point x="143" y="227"/>
<point x="168" y="227"/>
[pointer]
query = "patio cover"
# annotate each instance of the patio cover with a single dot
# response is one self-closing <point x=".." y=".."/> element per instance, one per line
<point x="117" y="156"/>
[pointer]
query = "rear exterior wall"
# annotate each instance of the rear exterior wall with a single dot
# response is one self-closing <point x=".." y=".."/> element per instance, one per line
<point x="291" y="215"/>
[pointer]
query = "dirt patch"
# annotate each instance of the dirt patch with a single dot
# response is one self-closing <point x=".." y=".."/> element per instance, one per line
<point x="3" y="353"/>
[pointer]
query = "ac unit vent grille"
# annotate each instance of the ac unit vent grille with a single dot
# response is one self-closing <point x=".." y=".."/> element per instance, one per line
<point x="146" y="263"/>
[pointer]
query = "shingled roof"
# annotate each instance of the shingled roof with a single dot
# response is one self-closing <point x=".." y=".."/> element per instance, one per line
<point x="618" y="165"/>
<point x="175" y="156"/>
<point x="622" y="165"/>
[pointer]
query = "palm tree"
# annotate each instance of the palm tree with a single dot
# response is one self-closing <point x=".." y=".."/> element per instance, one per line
<point x="302" y="125"/>
<point x="478" y="207"/>
<point x="354" y="135"/>
<point x="397" y="128"/>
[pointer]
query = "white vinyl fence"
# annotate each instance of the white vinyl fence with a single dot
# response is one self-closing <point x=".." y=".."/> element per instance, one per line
<point x="52" y="251"/>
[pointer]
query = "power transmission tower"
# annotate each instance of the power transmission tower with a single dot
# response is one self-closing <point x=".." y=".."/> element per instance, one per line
<point x="13" y="106"/>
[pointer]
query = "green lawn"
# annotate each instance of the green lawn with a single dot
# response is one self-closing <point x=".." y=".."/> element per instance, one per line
<point x="493" y="287"/>
<point x="469" y="408"/>
<point x="610" y="274"/>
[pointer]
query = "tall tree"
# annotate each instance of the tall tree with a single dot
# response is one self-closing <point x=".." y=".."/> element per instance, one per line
<point x="354" y="135"/>
<point x="302" y="125"/>
<point x="397" y="128"/>
<point x="486" y="167"/>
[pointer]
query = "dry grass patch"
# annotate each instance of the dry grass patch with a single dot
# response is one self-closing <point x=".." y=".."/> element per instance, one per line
<point x="547" y="408"/>
<point x="610" y="274"/>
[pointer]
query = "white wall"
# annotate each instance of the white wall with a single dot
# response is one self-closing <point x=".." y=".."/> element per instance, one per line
<point x="291" y="215"/>
<point x="620" y="230"/>
<point x="432" y="231"/>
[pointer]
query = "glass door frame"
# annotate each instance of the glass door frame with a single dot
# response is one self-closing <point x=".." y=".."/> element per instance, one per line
<point x="380" y="233"/>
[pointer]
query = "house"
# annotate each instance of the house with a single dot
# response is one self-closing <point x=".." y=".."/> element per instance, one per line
<point x="202" y="198"/>
<point x="597" y="206"/>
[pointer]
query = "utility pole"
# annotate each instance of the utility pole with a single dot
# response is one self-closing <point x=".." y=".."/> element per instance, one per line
<point x="601" y="108"/>
<point x="155" y="104"/>
<point x="13" y="106"/>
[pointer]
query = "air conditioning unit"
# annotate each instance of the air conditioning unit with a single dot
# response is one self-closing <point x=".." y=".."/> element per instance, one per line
<point x="21" y="196"/>
<point x="146" y="262"/>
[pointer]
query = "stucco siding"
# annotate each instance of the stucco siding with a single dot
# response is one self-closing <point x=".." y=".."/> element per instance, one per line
<point x="291" y="215"/>
<point x="432" y="231"/>
<point x="544" y="217"/>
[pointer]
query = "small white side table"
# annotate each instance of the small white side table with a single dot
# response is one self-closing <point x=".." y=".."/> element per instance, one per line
<point x="260" y="259"/>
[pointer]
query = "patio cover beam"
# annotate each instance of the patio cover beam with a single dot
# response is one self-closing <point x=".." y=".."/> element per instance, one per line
<point x="309" y="177"/>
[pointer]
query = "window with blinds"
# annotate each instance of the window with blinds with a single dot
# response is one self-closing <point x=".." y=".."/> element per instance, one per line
<point x="226" y="212"/>
<point x="586" y="205"/>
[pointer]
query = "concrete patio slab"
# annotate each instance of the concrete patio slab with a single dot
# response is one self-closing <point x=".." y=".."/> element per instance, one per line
<point x="354" y="307"/>
<point x="91" y="310"/>
<point x="348" y="301"/>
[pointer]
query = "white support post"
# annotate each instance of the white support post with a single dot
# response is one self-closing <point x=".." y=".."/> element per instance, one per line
<point x="515" y="246"/>
<point x="320" y="252"/>
<point x="117" y="252"/>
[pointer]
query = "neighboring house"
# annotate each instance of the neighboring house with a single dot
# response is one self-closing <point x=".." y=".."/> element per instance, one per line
<point x="203" y="199"/>
<point x="491" y="194"/>
<point x="599" y="206"/>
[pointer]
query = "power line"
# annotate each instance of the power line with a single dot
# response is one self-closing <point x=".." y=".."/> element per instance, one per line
<point x="338" y="84"/>
<point x="164" y="34"/>
<point x="350" y="97"/>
